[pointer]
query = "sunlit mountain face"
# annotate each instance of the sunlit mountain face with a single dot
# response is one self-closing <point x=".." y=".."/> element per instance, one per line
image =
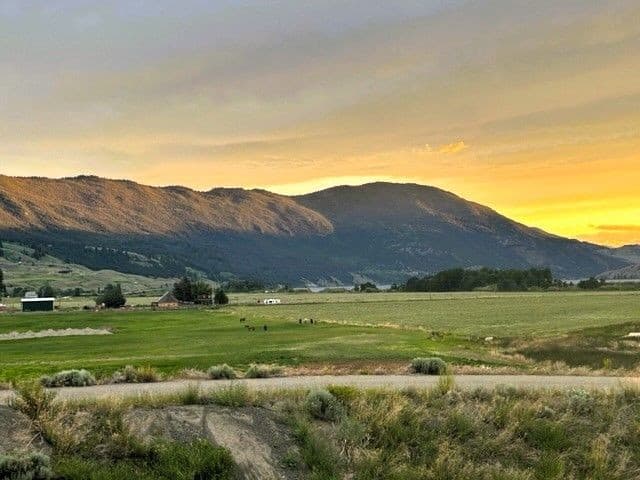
<point x="531" y="108"/>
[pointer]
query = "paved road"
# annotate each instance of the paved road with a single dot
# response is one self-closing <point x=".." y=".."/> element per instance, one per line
<point x="360" y="381"/>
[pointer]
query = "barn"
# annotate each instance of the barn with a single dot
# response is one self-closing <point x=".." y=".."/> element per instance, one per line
<point x="168" y="300"/>
<point x="38" y="304"/>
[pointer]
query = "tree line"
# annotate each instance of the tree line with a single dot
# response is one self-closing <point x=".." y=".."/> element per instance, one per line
<point x="463" y="280"/>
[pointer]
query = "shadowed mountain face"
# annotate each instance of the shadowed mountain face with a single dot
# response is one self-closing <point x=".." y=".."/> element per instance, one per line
<point x="379" y="231"/>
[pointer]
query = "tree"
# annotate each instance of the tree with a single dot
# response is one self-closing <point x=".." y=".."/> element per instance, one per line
<point x="46" y="291"/>
<point x="3" y="288"/>
<point x="220" y="298"/>
<point x="1" y="249"/>
<point x="201" y="292"/>
<point x="112" y="297"/>
<point x="183" y="290"/>
<point x="591" y="284"/>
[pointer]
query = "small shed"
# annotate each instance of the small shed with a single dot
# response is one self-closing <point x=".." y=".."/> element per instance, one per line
<point x="168" y="300"/>
<point x="38" y="304"/>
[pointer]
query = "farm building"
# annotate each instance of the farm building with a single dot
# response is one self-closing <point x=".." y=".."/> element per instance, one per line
<point x="168" y="300"/>
<point x="37" y="304"/>
<point x="271" y="301"/>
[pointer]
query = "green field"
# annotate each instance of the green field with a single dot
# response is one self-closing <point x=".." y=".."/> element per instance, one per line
<point x="353" y="330"/>
<point x="479" y="314"/>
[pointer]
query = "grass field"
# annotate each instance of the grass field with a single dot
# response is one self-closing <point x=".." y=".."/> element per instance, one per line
<point x="480" y="314"/>
<point x="354" y="329"/>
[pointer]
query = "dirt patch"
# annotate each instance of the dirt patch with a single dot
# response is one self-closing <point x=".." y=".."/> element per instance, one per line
<point x="67" y="332"/>
<point x="259" y="442"/>
<point x="16" y="434"/>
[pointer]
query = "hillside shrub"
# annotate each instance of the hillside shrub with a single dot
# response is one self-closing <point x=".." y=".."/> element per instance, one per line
<point x="262" y="371"/>
<point x="34" y="466"/>
<point x="220" y="372"/>
<point x="131" y="374"/>
<point x="322" y="405"/>
<point x="69" y="378"/>
<point x="429" y="366"/>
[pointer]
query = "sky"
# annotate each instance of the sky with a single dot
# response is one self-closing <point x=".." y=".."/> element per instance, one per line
<point x="530" y="107"/>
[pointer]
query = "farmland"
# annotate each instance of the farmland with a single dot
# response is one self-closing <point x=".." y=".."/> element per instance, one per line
<point x="359" y="331"/>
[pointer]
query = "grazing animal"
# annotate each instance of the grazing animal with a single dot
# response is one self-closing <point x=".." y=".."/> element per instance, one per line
<point x="242" y="320"/>
<point x="300" y="321"/>
<point x="311" y="321"/>
<point x="264" y="328"/>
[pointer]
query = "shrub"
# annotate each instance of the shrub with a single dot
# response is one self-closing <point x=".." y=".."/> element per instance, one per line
<point x="33" y="400"/>
<point x="322" y="405"/>
<point x="428" y="366"/>
<point x="232" y="396"/>
<point x="69" y="378"/>
<point x="34" y="466"/>
<point x="130" y="374"/>
<point x="219" y="372"/>
<point x="262" y="371"/>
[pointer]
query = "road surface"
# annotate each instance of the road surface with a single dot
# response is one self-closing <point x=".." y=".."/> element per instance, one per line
<point x="468" y="382"/>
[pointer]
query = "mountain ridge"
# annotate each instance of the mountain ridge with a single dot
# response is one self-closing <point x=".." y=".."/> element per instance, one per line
<point x="383" y="231"/>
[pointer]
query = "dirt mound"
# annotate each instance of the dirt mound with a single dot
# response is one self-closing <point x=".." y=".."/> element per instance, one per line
<point x="17" y="435"/>
<point x="259" y="442"/>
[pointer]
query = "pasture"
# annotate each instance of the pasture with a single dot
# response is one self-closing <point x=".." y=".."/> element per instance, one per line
<point x="358" y="332"/>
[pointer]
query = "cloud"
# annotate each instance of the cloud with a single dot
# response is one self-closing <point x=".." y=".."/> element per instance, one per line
<point x="618" y="228"/>
<point x="452" y="148"/>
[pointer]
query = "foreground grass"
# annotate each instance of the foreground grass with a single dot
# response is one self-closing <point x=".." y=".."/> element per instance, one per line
<point x="439" y="434"/>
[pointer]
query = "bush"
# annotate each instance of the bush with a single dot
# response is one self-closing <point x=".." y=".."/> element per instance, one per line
<point x="130" y="374"/>
<point x="233" y="396"/>
<point x="322" y="405"/>
<point x="69" y="378"/>
<point x="34" y="466"/>
<point x="219" y="372"/>
<point x="428" y="366"/>
<point x="262" y="371"/>
<point x="33" y="400"/>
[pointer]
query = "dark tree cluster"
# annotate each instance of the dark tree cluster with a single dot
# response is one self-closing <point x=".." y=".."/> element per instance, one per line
<point x="244" y="285"/>
<point x="462" y="280"/>
<point x="591" y="284"/>
<point x="365" y="287"/>
<point x="3" y="288"/>
<point x="220" y="298"/>
<point x="189" y="291"/>
<point x="112" y="297"/>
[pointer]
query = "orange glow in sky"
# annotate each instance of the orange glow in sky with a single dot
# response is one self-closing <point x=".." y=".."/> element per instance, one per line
<point x="532" y="108"/>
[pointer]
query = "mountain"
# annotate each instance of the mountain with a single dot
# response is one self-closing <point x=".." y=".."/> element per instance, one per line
<point x="381" y="231"/>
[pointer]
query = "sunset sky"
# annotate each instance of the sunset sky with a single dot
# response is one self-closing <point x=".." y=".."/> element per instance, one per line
<point x="530" y="107"/>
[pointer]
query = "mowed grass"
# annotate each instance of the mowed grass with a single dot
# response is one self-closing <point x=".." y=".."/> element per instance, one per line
<point x="171" y="341"/>
<point x="355" y="329"/>
<point x="475" y="314"/>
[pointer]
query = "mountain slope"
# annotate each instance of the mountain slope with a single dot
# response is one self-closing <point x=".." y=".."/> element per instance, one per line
<point x="94" y="204"/>
<point x="379" y="231"/>
<point x="434" y="229"/>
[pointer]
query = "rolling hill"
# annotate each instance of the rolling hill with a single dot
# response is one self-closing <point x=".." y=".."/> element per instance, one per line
<point x="380" y="231"/>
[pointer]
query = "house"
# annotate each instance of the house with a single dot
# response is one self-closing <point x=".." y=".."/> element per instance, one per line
<point x="271" y="301"/>
<point x="30" y="304"/>
<point x="168" y="300"/>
